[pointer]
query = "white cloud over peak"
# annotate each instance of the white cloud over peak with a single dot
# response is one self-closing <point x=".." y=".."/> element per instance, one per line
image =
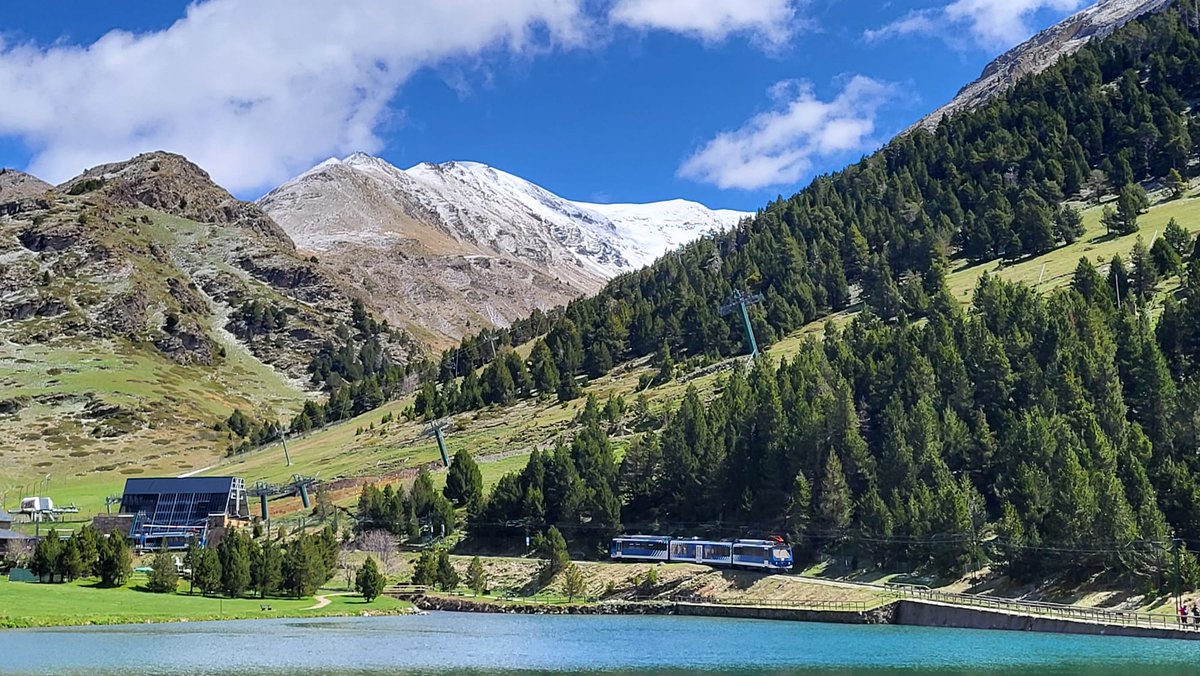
<point x="778" y="147"/>
<point x="991" y="24"/>
<point x="253" y="91"/>
<point x="711" y="20"/>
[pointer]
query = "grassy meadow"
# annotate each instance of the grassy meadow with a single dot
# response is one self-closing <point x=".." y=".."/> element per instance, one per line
<point x="28" y="604"/>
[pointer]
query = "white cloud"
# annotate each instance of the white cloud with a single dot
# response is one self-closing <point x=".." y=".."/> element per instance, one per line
<point x="253" y="91"/>
<point x="915" y="22"/>
<point x="711" y="20"/>
<point x="778" y="147"/>
<point x="991" y="24"/>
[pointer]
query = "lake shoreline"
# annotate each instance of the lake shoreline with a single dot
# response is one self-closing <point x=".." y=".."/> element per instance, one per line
<point x="904" y="612"/>
<point x="10" y="623"/>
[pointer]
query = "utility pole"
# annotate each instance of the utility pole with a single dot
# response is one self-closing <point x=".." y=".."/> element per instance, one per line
<point x="1175" y="549"/>
<point x="742" y="300"/>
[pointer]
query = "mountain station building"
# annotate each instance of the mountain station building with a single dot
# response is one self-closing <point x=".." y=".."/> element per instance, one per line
<point x="171" y="511"/>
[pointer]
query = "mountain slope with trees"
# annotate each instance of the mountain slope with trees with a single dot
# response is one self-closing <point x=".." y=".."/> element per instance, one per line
<point x="1046" y="434"/>
<point x="987" y="185"/>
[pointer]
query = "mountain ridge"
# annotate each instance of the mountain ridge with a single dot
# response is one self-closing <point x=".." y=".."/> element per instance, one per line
<point x="487" y="246"/>
<point x="1041" y="51"/>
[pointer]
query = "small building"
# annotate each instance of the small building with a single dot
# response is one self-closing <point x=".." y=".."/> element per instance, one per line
<point x="172" y="511"/>
<point x="12" y="543"/>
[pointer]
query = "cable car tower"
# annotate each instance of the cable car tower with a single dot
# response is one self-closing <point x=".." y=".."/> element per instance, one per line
<point x="435" y="430"/>
<point x="742" y="300"/>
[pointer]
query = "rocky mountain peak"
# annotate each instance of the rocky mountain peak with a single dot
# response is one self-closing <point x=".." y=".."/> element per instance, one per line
<point x="175" y="185"/>
<point x="1044" y="50"/>
<point x="17" y="185"/>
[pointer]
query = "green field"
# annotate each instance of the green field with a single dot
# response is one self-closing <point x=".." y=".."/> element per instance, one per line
<point x="26" y="604"/>
<point x="1054" y="269"/>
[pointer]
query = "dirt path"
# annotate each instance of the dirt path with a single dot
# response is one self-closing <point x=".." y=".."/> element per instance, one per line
<point x="322" y="600"/>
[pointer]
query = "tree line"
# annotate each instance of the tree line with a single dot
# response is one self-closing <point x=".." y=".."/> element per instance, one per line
<point x="86" y="553"/>
<point x="241" y="564"/>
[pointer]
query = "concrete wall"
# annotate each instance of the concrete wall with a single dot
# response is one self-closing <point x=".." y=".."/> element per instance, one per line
<point x="930" y="614"/>
<point x="878" y="616"/>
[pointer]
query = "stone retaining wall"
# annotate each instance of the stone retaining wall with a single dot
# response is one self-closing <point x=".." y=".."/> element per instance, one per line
<point x="933" y="614"/>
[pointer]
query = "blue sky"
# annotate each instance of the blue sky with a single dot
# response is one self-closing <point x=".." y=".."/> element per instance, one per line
<point x="727" y="102"/>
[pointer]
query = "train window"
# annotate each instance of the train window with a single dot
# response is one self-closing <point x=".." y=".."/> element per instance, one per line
<point x="716" y="551"/>
<point x="752" y="553"/>
<point x="782" y="553"/>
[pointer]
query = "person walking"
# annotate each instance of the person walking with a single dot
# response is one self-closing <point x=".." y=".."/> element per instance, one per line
<point x="1183" y="612"/>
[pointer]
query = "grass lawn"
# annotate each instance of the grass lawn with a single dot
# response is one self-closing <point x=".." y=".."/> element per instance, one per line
<point x="25" y="604"/>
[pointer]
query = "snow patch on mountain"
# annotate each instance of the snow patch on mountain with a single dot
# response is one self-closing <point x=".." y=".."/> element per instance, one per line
<point x="487" y="208"/>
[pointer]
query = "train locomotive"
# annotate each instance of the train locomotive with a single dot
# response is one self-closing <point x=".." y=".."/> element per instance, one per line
<point x="757" y="554"/>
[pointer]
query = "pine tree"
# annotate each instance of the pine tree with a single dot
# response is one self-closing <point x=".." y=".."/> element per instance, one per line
<point x="206" y="571"/>
<point x="234" y="555"/>
<point x="799" y="517"/>
<point x="447" y="577"/>
<point x="191" y="563"/>
<point x="369" y="581"/>
<point x="573" y="583"/>
<point x="666" y="365"/>
<point x="115" y="563"/>
<point x="1068" y="224"/>
<point x="834" y="505"/>
<point x="1176" y="184"/>
<point x="554" y="551"/>
<point x="1145" y="273"/>
<point x="1131" y="204"/>
<point x="1112" y="222"/>
<point x="266" y="568"/>
<point x="477" y="577"/>
<point x="464" y="481"/>
<point x="1118" y="280"/>
<point x="426" y="571"/>
<point x="1179" y="238"/>
<point x="304" y="567"/>
<point x="45" y="557"/>
<point x="164" y="578"/>
<point x="544" y="373"/>
<point x="72" y="562"/>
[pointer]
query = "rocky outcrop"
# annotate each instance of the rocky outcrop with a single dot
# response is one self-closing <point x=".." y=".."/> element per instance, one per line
<point x="1044" y="50"/>
<point x="172" y="184"/>
<point x="17" y="185"/>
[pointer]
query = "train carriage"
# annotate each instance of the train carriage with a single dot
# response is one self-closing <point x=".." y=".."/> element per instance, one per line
<point x="759" y="554"/>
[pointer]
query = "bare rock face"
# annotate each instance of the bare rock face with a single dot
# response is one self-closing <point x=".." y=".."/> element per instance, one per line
<point x="17" y="185"/>
<point x="1044" y="50"/>
<point x="447" y="249"/>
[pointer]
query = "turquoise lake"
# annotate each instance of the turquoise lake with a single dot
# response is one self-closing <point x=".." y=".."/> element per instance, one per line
<point x="455" y="643"/>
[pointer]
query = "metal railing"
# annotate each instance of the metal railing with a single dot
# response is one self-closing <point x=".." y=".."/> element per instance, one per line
<point x="1042" y="609"/>
<point x="746" y="602"/>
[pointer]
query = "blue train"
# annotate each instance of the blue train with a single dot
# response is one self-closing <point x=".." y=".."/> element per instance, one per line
<point x="760" y="554"/>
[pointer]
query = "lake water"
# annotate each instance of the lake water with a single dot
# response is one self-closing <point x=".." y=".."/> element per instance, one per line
<point x="531" y="644"/>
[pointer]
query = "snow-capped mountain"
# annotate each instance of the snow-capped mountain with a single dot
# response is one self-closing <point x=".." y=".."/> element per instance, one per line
<point x="489" y="245"/>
